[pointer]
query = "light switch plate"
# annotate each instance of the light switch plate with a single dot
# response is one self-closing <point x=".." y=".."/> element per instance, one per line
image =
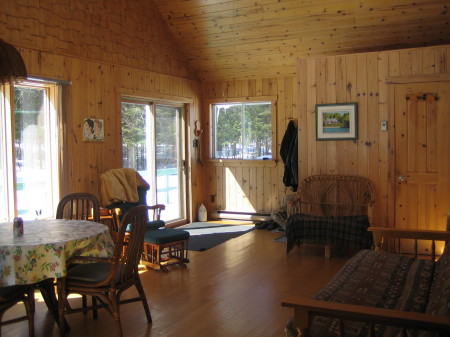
<point x="383" y="125"/>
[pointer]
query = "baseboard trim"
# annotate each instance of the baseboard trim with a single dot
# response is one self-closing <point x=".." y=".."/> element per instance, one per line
<point x="241" y="216"/>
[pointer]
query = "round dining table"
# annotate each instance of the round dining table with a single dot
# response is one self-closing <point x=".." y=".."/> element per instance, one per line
<point x="41" y="253"/>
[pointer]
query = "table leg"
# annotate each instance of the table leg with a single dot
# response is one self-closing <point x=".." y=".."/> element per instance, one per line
<point x="47" y="289"/>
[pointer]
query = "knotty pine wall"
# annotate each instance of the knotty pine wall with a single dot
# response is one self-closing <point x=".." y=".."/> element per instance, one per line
<point x="361" y="78"/>
<point x="106" y="49"/>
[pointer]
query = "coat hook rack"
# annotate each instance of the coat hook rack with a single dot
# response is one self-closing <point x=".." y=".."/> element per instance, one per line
<point x="295" y="120"/>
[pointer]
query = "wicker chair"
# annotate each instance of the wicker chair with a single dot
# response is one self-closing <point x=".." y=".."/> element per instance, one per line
<point x="75" y="206"/>
<point x="107" y="278"/>
<point x="79" y="206"/>
<point x="10" y="296"/>
<point x="331" y="196"/>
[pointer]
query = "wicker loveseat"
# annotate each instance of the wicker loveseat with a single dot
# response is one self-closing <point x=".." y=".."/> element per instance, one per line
<point x="380" y="294"/>
<point x="331" y="210"/>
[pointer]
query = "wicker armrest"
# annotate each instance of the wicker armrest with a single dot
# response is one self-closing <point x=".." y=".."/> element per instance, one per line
<point x="304" y="307"/>
<point x="293" y="206"/>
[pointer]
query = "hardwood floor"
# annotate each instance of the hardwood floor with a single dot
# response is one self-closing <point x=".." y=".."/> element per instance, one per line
<point x="232" y="290"/>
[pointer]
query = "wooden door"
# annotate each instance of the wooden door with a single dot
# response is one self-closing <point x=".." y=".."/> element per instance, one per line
<point x="422" y="155"/>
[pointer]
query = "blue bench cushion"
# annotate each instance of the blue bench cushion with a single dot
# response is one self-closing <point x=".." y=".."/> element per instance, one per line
<point x="155" y="224"/>
<point x="165" y="235"/>
<point x="151" y="225"/>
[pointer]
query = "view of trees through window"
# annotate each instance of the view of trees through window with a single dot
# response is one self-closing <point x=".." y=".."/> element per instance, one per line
<point x="29" y="184"/>
<point x="134" y="135"/>
<point x="152" y="145"/>
<point x="242" y="130"/>
<point x="135" y="138"/>
<point x="33" y="155"/>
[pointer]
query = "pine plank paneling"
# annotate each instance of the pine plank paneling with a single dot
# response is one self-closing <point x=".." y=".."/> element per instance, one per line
<point x="352" y="96"/>
<point x="361" y="88"/>
<point x="341" y="97"/>
<point x="243" y="39"/>
<point x="383" y="183"/>
<point x="362" y="78"/>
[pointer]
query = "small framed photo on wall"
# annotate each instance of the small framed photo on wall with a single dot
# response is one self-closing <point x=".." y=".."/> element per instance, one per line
<point x="337" y="121"/>
<point x="93" y="130"/>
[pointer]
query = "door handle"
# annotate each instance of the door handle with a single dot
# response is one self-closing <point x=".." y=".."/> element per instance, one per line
<point x="401" y="178"/>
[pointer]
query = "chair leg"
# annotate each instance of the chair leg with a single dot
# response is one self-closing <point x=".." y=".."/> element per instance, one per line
<point x="84" y="303"/>
<point x="1" y="320"/>
<point x="116" y="312"/>
<point x="144" y="299"/>
<point x="94" y="305"/>
<point x="327" y="251"/>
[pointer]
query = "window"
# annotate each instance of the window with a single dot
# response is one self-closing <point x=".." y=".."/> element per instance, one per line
<point x="153" y="144"/>
<point x="28" y="125"/>
<point x="242" y="130"/>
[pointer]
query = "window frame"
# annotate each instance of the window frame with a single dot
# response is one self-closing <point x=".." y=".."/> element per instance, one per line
<point x="242" y="100"/>
<point x="53" y="97"/>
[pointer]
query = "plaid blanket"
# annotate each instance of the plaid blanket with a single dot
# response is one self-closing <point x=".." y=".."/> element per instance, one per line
<point x="346" y="232"/>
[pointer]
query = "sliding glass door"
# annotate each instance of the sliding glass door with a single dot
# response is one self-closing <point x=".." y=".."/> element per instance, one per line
<point x="153" y="144"/>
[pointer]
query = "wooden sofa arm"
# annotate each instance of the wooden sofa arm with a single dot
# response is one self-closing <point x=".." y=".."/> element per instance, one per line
<point x="304" y="307"/>
<point x="413" y="234"/>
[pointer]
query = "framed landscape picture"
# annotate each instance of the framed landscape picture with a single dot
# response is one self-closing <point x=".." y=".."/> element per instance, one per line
<point x="336" y="121"/>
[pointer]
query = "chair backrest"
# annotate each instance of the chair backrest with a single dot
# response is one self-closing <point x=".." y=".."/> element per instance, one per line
<point x="335" y="195"/>
<point x="128" y="255"/>
<point x="79" y="206"/>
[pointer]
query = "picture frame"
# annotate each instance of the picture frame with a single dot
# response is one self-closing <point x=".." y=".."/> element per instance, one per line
<point x="337" y="121"/>
<point x="93" y="130"/>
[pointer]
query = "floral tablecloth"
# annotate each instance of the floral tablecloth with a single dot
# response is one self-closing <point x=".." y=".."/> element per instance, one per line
<point x="45" y="246"/>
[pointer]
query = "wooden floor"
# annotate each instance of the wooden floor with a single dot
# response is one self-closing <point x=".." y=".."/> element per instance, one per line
<point x="232" y="290"/>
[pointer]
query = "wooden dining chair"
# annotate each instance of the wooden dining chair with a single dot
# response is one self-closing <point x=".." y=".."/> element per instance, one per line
<point x="10" y="296"/>
<point x="79" y="206"/>
<point x="107" y="278"/>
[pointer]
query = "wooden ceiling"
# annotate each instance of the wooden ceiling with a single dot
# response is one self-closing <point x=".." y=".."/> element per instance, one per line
<point x="245" y="39"/>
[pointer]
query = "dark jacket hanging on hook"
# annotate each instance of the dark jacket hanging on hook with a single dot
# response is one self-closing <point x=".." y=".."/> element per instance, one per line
<point x="289" y="155"/>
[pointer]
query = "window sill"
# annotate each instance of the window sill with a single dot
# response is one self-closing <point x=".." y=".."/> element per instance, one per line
<point x="242" y="162"/>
